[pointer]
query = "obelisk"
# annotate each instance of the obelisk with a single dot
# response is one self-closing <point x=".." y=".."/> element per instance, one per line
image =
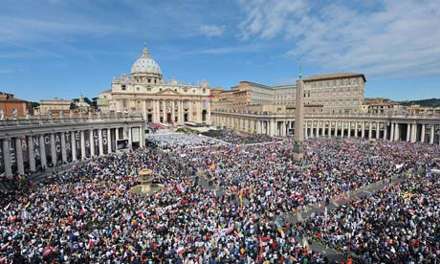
<point x="299" y="120"/>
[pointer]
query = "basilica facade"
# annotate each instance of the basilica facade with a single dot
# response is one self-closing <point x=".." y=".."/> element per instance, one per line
<point x="145" y="91"/>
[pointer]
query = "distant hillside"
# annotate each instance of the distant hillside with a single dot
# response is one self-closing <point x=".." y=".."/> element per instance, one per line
<point x="433" y="102"/>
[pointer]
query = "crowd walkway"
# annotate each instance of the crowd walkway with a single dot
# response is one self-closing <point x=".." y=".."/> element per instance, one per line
<point x="310" y="211"/>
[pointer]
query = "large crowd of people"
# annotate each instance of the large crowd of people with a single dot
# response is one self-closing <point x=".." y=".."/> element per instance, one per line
<point x="398" y="224"/>
<point x="244" y="215"/>
<point x="181" y="140"/>
<point x="234" y="137"/>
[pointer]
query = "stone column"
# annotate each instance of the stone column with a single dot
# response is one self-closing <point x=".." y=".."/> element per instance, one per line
<point x="101" y="145"/>
<point x="141" y="137"/>
<point x="157" y="111"/>
<point x="31" y="153"/>
<point x="173" y="112"/>
<point x="306" y="132"/>
<point x="312" y="129"/>
<point x="283" y="129"/>
<point x="356" y="129"/>
<point x="377" y="130"/>
<point x="342" y="129"/>
<point x="349" y="129"/>
<point x="164" y="110"/>
<point x="181" y="113"/>
<point x="208" y="112"/>
<point x="317" y="129"/>
<point x="363" y="130"/>
<point x="43" y="152"/>
<point x="73" y="145"/>
<point x="342" y="126"/>
<point x="92" y="143"/>
<point x="316" y="133"/>
<point x="396" y="132"/>
<point x="370" y="130"/>
<point x="323" y="128"/>
<point x="258" y="126"/>
<point x="190" y="111"/>
<point x="329" y="129"/>
<point x="53" y="152"/>
<point x="83" y="145"/>
<point x="199" y="111"/>
<point x="385" y="131"/>
<point x="144" y="106"/>
<point x="19" y="155"/>
<point x="414" y="133"/>
<point x="130" y="138"/>
<point x="422" y="136"/>
<point x="154" y="111"/>
<point x="408" y="132"/>
<point x="109" y="140"/>
<point x="273" y="128"/>
<point x="7" y="157"/>
<point x="117" y="133"/>
<point x="431" y="138"/>
<point x="392" y="131"/>
<point x="63" y="148"/>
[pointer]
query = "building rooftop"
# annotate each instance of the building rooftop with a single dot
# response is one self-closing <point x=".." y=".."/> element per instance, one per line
<point x="8" y="97"/>
<point x="334" y="76"/>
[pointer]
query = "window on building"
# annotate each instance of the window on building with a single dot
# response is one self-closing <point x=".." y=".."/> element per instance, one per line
<point x="123" y="87"/>
<point x="149" y="80"/>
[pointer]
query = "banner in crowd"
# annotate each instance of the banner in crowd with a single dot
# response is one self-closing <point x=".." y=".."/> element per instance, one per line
<point x="68" y="142"/>
<point x="58" y="147"/>
<point x="95" y="141"/>
<point x="135" y="134"/>
<point x="47" y="147"/>
<point x="13" y="153"/>
<point x="78" y="144"/>
<point x="24" y="149"/>
<point x="105" y="139"/>
<point x="122" y="144"/>
<point x="87" y="143"/>
<point x="36" y="149"/>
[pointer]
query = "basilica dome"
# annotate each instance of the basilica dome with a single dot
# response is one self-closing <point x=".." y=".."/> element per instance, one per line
<point x="146" y="65"/>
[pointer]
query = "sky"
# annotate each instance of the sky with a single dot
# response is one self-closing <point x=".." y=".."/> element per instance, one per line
<point x="68" y="48"/>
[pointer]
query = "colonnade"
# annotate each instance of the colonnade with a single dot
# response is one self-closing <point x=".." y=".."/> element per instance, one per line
<point x="27" y="153"/>
<point x="392" y="131"/>
<point x="400" y="129"/>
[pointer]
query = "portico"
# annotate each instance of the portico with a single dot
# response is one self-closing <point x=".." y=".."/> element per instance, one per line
<point x="29" y="145"/>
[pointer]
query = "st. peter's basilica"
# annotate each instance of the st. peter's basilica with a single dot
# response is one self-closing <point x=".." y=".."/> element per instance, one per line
<point x="144" y="90"/>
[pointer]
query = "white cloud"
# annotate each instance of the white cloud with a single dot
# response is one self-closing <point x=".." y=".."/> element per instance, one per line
<point x="212" y="30"/>
<point x="398" y="38"/>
